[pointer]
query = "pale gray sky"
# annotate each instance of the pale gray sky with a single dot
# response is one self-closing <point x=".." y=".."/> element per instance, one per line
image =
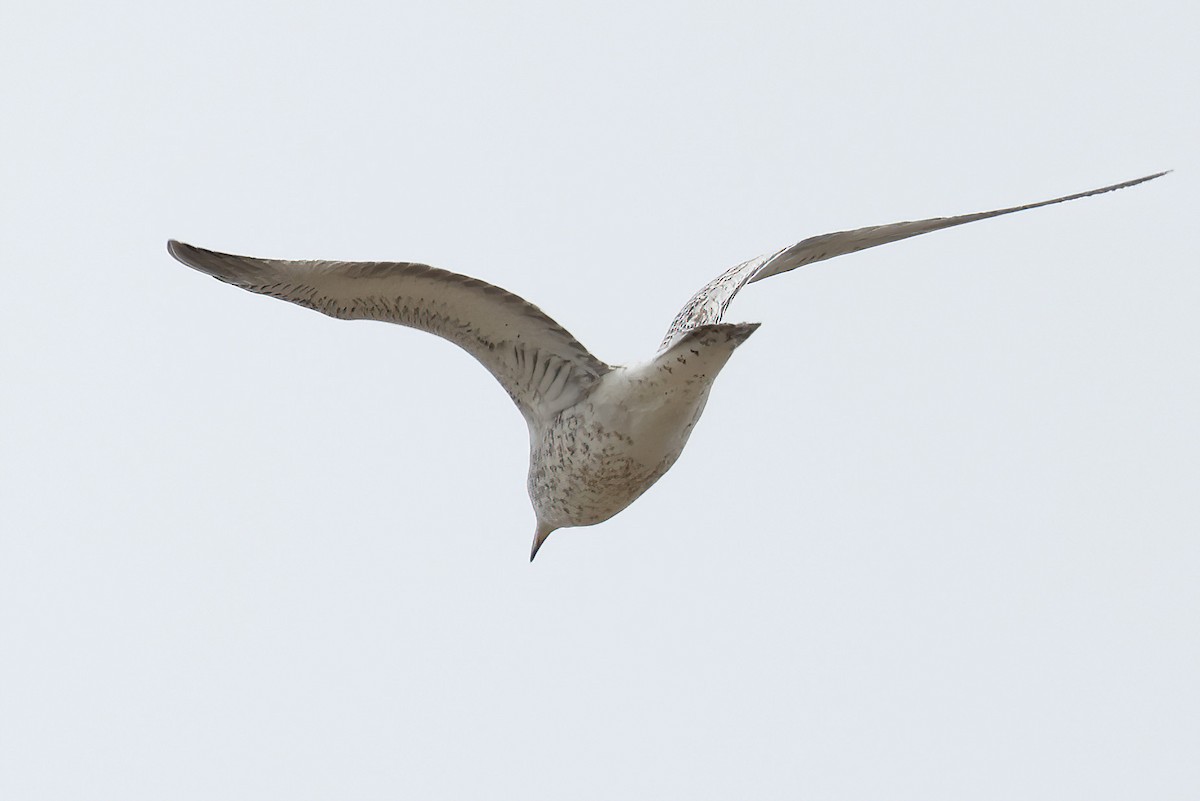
<point x="936" y="537"/>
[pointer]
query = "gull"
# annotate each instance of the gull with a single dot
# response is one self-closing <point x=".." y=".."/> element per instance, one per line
<point x="600" y="435"/>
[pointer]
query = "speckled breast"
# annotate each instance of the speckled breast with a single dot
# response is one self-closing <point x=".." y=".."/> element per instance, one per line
<point x="582" y="472"/>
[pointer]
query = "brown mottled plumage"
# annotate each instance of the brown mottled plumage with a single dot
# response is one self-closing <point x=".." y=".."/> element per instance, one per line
<point x="599" y="435"/>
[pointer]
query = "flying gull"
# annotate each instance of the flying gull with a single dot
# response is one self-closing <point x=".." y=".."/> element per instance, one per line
<point x="599" y="435"/>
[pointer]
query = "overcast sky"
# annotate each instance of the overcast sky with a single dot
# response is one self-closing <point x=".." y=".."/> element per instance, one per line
<point x="936" y="537"/>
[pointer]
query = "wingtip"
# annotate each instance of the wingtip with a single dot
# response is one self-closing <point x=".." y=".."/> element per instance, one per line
<point x="1150" y="177"/>
<point x="178" y="250"/>
<point x="1122" y="185"/>
<point x="206" y="261"/>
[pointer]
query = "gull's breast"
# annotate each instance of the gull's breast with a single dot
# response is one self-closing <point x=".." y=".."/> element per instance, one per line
<point x="600" y="455"/>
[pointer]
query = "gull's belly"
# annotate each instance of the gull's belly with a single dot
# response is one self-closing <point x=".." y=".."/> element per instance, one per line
<point x="584" y="473"/>
<point x="602" y="454"/>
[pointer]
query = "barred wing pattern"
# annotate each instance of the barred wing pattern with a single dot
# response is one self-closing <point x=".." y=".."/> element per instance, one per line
<point x="709" y="304"/>
<point x="541" y="366"/>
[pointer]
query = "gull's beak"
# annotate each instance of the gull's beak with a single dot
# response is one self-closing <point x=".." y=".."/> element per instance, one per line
<point x="539" y="537"/>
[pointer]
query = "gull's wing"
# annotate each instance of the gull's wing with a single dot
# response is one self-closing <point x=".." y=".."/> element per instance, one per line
<point x="536" y="360"/>
<point x="709" y="304"/>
